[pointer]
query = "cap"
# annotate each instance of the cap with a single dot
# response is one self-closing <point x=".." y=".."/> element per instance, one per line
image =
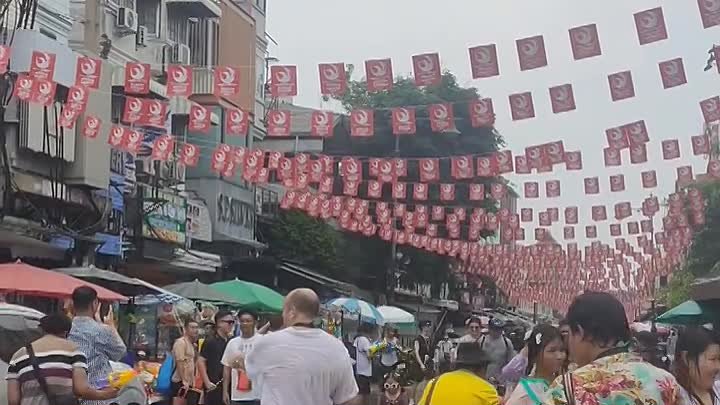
<point x="496" y="324"/>
<point x="425" y="324"/>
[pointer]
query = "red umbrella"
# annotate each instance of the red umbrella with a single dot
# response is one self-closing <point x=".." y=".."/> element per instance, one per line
<point x="24" y="279"/>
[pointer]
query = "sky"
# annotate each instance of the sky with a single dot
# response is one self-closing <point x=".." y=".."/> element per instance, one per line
<point x="309" y="32"/>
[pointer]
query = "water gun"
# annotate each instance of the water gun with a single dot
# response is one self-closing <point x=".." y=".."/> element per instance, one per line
<point x="379" y="347"/>
<point x="117" y="379"/>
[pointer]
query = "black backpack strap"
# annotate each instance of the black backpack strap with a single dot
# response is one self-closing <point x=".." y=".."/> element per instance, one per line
<point x="38" y="374"/>
<point x="482" y="342"/>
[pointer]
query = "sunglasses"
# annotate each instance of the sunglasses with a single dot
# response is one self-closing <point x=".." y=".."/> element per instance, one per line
<point x="393" y="385"/>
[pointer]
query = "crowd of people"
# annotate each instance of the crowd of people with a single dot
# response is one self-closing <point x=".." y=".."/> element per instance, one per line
<point x="590" y="358"/>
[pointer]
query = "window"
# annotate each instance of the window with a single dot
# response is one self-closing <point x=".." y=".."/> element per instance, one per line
<point x="148" y="12"/>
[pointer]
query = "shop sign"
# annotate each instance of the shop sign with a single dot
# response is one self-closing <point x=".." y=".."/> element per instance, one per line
<point x="235" y="217"/>
<point x="167" y="221"/>
<point x="199" y="221"/>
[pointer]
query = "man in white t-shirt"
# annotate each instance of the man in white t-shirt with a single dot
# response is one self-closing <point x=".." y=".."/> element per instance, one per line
<point x="238" y="389"/>
<point x="301" y="365"/>
<point x="363" y="365"/>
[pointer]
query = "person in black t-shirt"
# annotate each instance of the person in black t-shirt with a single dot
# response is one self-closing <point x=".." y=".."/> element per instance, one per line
<point x="209" y="365"/>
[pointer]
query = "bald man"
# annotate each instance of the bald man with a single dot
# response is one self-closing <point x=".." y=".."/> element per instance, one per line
<point x="301" y="364"/>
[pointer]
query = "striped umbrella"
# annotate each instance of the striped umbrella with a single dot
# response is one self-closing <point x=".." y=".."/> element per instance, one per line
<point x="353" y="306"/>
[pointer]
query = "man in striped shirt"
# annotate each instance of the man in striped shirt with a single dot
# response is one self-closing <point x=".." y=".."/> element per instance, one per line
<point x="100" y="342"/>
<point x="61" y="364"/>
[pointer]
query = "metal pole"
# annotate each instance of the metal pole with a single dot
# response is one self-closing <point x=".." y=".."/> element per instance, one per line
<point x="390" y="276"/>
<point x="535" y="312"/>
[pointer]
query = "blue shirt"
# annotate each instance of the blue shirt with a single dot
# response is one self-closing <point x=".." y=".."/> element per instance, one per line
<point x="100" y="345"/>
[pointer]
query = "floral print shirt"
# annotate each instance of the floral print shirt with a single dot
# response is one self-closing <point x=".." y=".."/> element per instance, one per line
<point x="619" y="379"/>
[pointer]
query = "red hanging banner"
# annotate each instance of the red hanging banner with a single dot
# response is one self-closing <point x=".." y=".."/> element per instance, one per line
<point x="441" y="117"/>
<point x="333" y="79"/>
<point x="137" y="78"/>
<point x="179" y="81"/>
<point x="621" y="85"/>
<point x="199" y="119"/>
<point x="650" y="26"/>
<point x="362" y="123"/>
<point x="322" y="123"/>
<point x="379" y="75"/>
<point x="42" y="65"/>
<point x="427" y="69"/>
<point x="278" y="123"/>
<point x="585" y="41"/>
<point x="91" y="127"/>
<point x="236" y="122"/>
<point x="403" y="121"/>
<point x="482" y="113"/>
<point x="562" y="98"/>
<point x="226" y="81"/>
<point x="672" y="73"/>
<point x="283" y="81"/>
<point x="521" y="106"/>
<point x="531" y="52"/>
<point x="87" y="72"/>
<point x="484" y="61"/>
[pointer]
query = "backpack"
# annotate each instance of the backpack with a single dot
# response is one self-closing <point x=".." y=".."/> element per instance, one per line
<point x="508" y="350"/>
<point x="163" y="383"/>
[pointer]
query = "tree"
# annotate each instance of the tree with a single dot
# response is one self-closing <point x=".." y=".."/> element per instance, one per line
<point x="298" y="237"/>
<point x="372" y="256"/>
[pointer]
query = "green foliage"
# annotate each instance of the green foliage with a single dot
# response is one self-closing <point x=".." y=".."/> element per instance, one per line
<point x="678" y="289"/>
<point x="299" y="237"/>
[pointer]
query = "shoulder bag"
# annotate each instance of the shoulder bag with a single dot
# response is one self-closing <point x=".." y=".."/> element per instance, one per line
<point x="52" y="399"/>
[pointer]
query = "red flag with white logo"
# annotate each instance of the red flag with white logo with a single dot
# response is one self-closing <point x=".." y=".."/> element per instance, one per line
<point x="709" y="12"/>
<point x="521" y="106"/>
<point x="568" y="233"/>
<point x="137" y="78"/>
<point x="374" y="189"/>
<point x="585" y="41"/>
<point x="521" y="165"/>
<point x="226" y="81"/>
<point x="77" y="98"/>
<point x="621" y="85"/>
<point x="531" y="52"/>
<point x="162" y="147"/>
<point x="420" y="191"/>
<point x="362" y="123"/>
<point x="278" y="123"/>
<point x="684" y="175"/>
<point x="482" y="113"/>
<point x="649" y="179"/>
<point x="427" y="69"/>
<point x="498" y="191"/>
<point x="429" y="170"/>
<point x="283" y="81"/>
<point x="562" y="98"/>
<point x="333" y="80"/>
<point x="132" y="141"/>
<point x="552" y="188"/>
<point x="403" y="121"/>
<point x="672" y="73"/>
<point x="87" y="72"/>
<point x="592" y="185"/>
<point x="638" y="154"/>
<point x="637" y="132"/>
<point x="461" y="167"/>
<point x="43" y="92"/>
<point x="68" y="116"/>
<point x="711" y="109"/>
<point x="487" y="166"/>
<point x="617" y="183"/>
<point x="447" y="192"/>
<point x="650" y="26"/>
<point x="189" y="155"/>
<point x="531" y="189"/>
<point x="571" y="215"/>
<point x="219" y="159"/>
<point x="23" y="87"/>
<point x="617" y="138"/>
<point x="199" y="120"/>
<point x="91" y="127"/>
<point x="476" y="192"/>
<point x="504" y="160"/>
<point x="526" y="214"/>
<point x="379" y="75"/>
<point x="599" y="213"/>
<point x="484" y="61"/>
<point x="42" y="65"/>
<point x="155" y="113"/>
<point x="633" y="228"/>
<point x="236" y="122"/>
<point x="671" y="149"/>
<point x="573" y="160"/>
<point x="116" y="137"/>
<point x="700" y="145"/>
<point x="179" y="81"/>
<point x="134" y="110"/>
<point x="612" y="157"/>
<point x="591" y="231"/>
<point x="441" y="117"/>
<point x="615" y="230"/>
<point x="321" y="123"/>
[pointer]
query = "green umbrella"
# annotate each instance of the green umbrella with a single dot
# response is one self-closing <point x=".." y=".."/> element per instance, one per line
<point x="688" y="313"/>
<point x="197" y="291"/>
<point x="251" y="296"/>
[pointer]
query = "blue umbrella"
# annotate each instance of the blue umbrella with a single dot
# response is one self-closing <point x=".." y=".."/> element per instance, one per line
<point x="368" y="313"/>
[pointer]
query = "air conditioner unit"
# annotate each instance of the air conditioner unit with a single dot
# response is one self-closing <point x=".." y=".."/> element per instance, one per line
<point x="48" y="139"/>
<point x="141" y="35"/>
<point x="181" y="54"/>
<point x="126" y="19"/>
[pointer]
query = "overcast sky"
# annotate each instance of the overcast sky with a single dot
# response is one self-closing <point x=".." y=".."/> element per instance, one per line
<point x="309" y="32"/>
